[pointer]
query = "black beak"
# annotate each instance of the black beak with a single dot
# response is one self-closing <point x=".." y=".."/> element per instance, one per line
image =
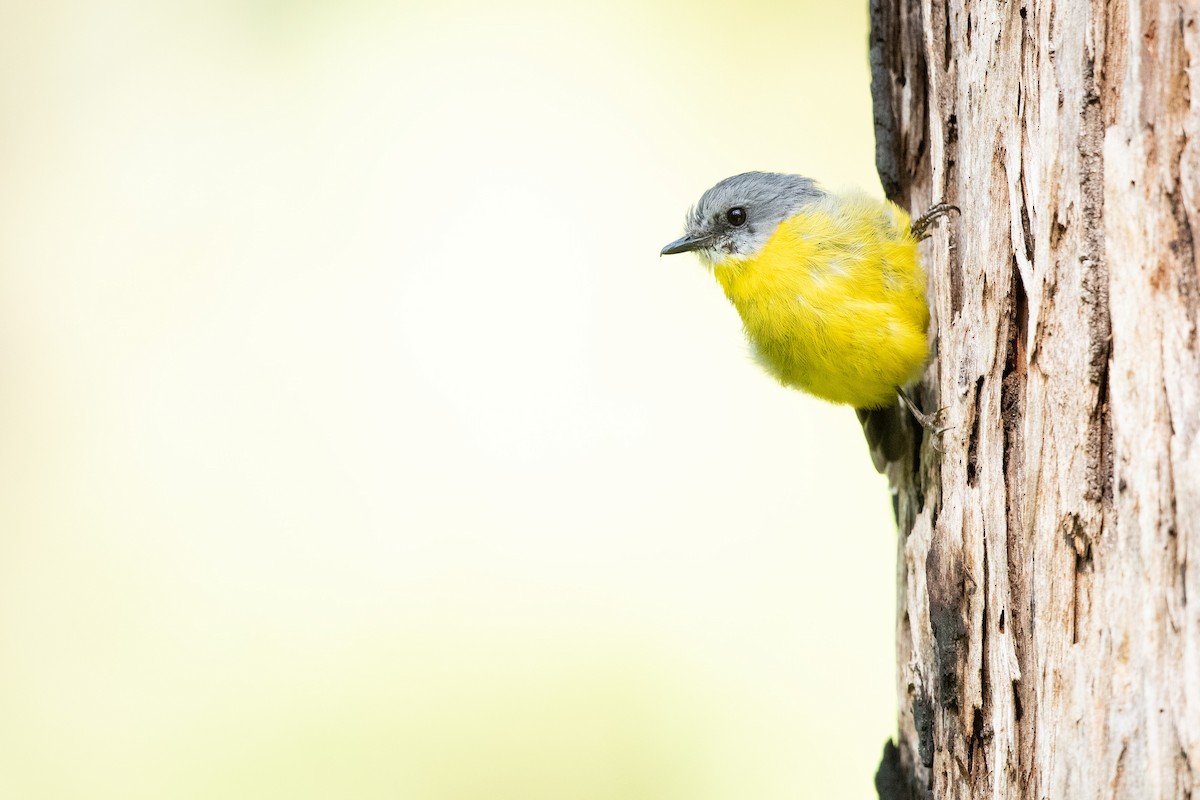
<point x="685" y="243"/>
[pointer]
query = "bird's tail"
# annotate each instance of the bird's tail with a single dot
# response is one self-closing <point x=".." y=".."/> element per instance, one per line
<point x="884" y="429"/>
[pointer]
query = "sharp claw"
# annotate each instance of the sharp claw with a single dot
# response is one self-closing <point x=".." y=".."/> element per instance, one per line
<point x="927" y="220"/>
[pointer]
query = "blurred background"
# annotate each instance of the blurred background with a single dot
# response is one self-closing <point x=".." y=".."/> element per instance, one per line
<point x="355" y="442"/>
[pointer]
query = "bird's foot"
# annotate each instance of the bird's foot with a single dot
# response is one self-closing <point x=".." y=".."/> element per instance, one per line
<point x="930" y="422"/>
<point x="921" y="225"/>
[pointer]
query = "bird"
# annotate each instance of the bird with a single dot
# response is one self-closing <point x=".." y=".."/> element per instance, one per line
<point x="829" y="287"/>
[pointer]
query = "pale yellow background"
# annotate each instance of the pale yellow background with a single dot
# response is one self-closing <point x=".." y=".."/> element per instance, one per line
<point x="355" y="442"/>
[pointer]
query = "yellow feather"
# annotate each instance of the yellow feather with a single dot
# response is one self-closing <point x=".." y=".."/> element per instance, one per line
<point x="834" y="303"/>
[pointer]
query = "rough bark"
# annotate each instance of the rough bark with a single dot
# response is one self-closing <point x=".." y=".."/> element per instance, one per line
<point x="1048" y="627"/>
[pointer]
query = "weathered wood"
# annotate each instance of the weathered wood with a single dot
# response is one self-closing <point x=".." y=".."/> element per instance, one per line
<point x="1049" y="614"/>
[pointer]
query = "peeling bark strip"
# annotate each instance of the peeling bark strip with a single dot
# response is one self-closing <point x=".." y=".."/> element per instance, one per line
<point x="1048" y="628"/>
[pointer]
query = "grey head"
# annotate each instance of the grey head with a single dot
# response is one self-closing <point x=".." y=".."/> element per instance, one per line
<point x="738" y="215"/>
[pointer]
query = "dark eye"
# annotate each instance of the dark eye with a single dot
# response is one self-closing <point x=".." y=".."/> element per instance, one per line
<point x="736" y="216"/>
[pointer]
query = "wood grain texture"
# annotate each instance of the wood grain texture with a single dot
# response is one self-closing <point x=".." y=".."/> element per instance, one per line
<point x="1049" y="569"/>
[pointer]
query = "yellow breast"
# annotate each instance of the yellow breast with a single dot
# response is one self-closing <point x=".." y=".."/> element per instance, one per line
<point x="834" y="304"/>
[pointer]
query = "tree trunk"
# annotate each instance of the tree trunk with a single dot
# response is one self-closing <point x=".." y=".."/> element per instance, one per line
<point x="1048" y="630"/>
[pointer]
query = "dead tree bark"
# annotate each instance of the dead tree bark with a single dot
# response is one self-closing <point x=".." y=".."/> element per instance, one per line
<point x="1048" y="627"/>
